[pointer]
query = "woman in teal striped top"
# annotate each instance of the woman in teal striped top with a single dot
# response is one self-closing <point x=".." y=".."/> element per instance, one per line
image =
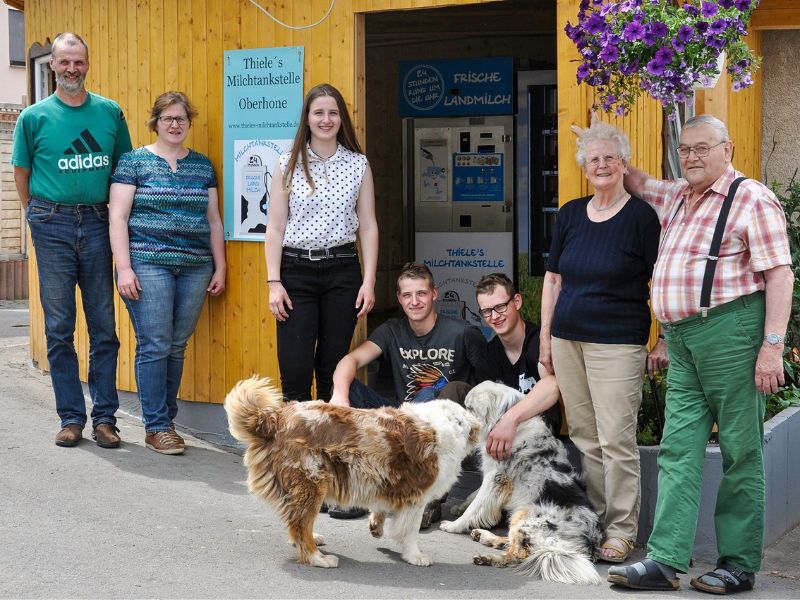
<point x="167" y="239"/>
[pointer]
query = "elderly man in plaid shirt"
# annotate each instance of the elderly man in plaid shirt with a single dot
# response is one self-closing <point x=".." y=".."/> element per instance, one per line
<point x="725" y="350"/>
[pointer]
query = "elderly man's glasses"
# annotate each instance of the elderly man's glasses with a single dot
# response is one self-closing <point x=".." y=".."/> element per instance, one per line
<point x="170" y="120"/>
<point x="486" y="313"/>
<point x="700" y="151"/>
<point x="607" y="160"/>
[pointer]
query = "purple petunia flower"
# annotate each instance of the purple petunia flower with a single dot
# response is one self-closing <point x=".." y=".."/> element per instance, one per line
<point x="708" y="9"/>
<point x="648" y="39"/>
<point x="726" y="3"/>
<point x="678" y="44"/>
<point x="664" y="55"/>
<point x="609" y="54"/>
<point x="655" y="67"/>
<point x="717" y="27"/>
<point x="743" y="5"/>
<point x="701" y="26"/>
<point x="608" y="102"/>
<point x="716" y="41"/>
<point x="691" y="9"/>
<point x="595" y="24"/>
<point x="629" y="68"/>
<point x="583" y="72"/>
<point x="633" y="31"/>
<point x="685" y="33"/>
<point x="659" y="29"/>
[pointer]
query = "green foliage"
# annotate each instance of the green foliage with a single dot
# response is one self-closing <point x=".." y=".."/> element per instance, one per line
<point x="647" y="433"/>
<point x="530" y="288"/>
<point x="789" y="394"/>
<point x="790" y="199"/>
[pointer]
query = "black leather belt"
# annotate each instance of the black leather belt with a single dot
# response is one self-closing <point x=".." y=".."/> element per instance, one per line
<point x="343" y="251"/>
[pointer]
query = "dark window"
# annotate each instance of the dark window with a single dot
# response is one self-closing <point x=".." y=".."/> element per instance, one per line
<point x="16" y="37"/>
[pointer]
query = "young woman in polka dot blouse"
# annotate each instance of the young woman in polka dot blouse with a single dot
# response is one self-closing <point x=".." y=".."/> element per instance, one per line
<point x="322" y="195"/>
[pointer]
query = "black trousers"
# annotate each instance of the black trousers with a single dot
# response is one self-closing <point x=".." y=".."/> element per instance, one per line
<point x="319" y="329"/>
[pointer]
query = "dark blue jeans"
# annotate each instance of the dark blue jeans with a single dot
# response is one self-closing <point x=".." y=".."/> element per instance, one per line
<point x="72" y="248"/>
<point x="319" y="329"/>
<point x="362" y="396"/>
<point x="164" y="318"/>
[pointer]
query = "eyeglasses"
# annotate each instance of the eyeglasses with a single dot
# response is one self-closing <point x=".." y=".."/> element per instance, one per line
<point x="486" y="313"/>
<point x="171" y="120"/>
<point x="608" y="160"/>
<point x="700" y="150"/>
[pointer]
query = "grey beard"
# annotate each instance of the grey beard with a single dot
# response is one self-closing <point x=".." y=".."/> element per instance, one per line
<point x="69" y="87"/>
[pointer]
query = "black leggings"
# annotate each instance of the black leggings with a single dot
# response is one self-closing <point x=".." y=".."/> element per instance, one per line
<point x="319" y="329"/>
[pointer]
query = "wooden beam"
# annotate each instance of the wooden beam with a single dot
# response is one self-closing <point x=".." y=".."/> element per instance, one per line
<point x="776" y="14"/>
<point x="18" y="4"/>
<point x="779" y="18"/>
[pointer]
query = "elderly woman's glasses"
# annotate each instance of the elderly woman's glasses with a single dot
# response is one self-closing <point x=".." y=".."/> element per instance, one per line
<point x="170" y="120"/>
<point x="486" y="313"/>
<point x="700" y="151"/>
<point x="608" y="160"/>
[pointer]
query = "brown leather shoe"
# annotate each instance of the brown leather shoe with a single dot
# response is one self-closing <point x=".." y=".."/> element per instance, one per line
<point x="176" y="435"/>
<point x="106" y="436"/>
<point x="164" y="442"/>
<point x="69" y="436"/>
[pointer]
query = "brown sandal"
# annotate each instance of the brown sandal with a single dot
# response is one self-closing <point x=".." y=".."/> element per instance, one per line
<point x="621" y="548"/>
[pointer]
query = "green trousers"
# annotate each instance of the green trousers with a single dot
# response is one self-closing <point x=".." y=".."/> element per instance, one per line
<point x="711" y="379"/>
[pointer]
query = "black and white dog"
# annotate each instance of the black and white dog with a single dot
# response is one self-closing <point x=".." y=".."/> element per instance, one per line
<point x="553" y="530"/>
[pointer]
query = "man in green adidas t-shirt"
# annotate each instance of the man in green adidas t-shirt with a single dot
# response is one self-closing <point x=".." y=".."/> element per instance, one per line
<point x="65" y="149"/>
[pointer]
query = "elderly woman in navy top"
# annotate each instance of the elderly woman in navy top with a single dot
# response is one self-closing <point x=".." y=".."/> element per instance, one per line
<point x="595" y="324"/>
<point x="321" y="195"/>
<point x="166" y="235"/>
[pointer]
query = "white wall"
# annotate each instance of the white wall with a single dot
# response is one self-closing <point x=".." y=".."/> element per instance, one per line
<point x="12" y="79"/>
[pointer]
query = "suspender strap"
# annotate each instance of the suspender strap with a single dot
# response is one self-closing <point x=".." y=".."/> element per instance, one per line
<point x="716" y="242"/>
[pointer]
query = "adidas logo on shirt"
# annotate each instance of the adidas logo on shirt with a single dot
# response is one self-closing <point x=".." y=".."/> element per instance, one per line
<point x="81" y="157"/>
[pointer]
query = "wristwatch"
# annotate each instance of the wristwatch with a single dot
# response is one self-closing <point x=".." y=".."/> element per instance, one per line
<point x="773" y="339"/>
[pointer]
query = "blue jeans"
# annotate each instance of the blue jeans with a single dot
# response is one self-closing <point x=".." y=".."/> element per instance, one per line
<point x="164" y="318"/>
<point x="362" y="396"/>
<point x="72" y="248"/>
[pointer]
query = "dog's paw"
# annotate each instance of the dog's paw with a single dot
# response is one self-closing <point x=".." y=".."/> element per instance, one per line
<point x="482" y="559"/>
<point x="325" y="561"/>
<point x="319" y="539"/>
<point x="376" y="527"/>
<point x="419" y="559"/>
<point x="450" y="526"/>
<point x="475" y="534"/>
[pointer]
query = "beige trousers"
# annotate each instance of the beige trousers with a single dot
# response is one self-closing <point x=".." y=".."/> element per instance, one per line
<point x="601" y="385"/>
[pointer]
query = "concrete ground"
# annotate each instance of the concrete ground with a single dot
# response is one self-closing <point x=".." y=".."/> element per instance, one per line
<point x="130" y="523"/>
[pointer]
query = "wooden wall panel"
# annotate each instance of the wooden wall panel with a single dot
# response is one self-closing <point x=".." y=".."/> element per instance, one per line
<point x="140" y="48"/>
<point x="643" y="124"/>
<point x="157" y="45"/>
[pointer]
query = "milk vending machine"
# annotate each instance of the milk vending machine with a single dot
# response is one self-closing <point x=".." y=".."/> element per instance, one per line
<point x="459" y="192"/>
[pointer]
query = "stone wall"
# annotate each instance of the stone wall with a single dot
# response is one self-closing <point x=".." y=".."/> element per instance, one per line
<point x="780" y="148"/>
<point x="13" y="248"/>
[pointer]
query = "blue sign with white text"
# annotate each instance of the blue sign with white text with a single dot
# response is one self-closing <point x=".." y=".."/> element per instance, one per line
<point x="436" y="88"/>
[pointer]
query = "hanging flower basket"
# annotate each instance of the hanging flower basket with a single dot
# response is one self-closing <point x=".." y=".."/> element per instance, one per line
<point x="662" y="47"/>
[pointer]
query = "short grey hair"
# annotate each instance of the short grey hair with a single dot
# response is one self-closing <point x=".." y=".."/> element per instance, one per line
<point x="712" y="122"/>
<point x="68" y="39"/>
<point x="603" y="132"/>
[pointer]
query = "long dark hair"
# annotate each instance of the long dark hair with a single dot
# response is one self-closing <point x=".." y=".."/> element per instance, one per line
<point x="346" y="135"/>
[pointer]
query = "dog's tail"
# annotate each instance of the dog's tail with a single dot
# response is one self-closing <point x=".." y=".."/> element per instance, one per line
<point x="250" y="406"/>
<point x="561" y="562"/>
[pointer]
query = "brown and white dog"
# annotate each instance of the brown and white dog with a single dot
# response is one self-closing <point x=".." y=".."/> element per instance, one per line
<point x="390" y="460"/>
<point x="552" y="529"/>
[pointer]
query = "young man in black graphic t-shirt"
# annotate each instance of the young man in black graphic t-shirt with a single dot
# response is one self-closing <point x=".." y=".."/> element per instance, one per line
<point x="428" y="352"/>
